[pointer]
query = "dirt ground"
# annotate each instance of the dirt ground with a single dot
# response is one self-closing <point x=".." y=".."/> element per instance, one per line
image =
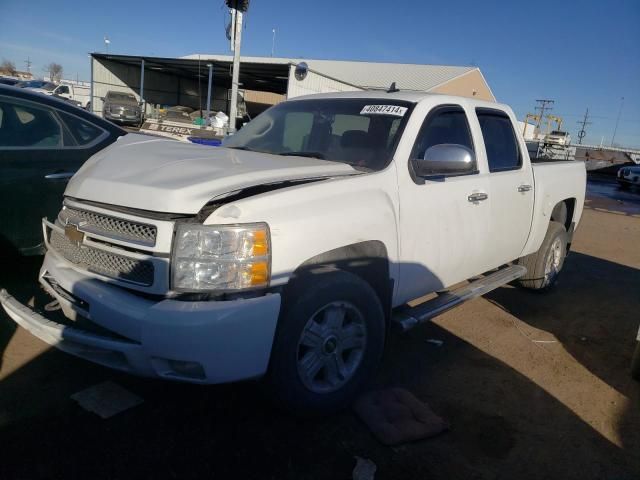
<point x="535" y="386"/>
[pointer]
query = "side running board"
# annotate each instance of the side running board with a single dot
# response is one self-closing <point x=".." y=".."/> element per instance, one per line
<point x="409" y="317"/>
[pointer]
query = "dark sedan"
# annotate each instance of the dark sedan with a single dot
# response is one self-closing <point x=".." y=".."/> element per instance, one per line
<point x="8" y="81"/>
<point x="43" y="142"/>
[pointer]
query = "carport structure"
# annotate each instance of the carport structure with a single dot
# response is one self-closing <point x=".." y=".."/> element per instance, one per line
<point x="265" y="81"/>
<point x="193" y="82"/>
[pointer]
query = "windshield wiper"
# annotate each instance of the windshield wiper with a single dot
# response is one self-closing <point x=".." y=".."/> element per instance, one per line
<point x="247" y="149"/>
<point x="303" y="154"/>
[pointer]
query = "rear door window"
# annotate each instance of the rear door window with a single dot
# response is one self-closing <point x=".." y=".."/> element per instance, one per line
<point x="499" y="140"/>
<point x="83" y="132"/>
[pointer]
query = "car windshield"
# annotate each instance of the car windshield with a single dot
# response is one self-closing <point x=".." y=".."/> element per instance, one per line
<point x="360" y="132"/>
<point x="126" y="97"/>
<point x="38" y="84"/>
<point x="558" y="132"/>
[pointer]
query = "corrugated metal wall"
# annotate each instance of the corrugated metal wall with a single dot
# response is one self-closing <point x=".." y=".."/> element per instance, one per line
<point x="315" y="83"/>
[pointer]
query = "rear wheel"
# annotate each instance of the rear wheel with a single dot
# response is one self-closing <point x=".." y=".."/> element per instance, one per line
<point x="543" y="266"/>
<point x="329" y="343"/>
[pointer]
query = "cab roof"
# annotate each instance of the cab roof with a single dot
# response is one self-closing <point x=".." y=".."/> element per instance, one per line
<point x="405" y="95"/>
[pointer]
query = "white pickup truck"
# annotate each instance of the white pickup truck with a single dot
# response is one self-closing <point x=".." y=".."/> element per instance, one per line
<point x="77" y="94"/>
<point x="288" y="253"/>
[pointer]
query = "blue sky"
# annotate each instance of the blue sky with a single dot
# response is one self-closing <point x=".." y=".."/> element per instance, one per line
<point x="582" y="54"/>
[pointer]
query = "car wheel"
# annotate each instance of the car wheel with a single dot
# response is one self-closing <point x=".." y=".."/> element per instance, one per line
<point x="623" y="186"/>
<point x="329" y="342"/>
<point x="635" y="363"/>
<point x="544" y="266"/>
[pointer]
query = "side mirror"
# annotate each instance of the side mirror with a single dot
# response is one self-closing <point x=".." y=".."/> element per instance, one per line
<point x="446" y="159"/>
<point x="101" y="98"/>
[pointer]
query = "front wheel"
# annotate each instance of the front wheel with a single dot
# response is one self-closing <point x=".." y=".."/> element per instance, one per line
<point x="543" y="266"/>
<point x="329" y="343"/>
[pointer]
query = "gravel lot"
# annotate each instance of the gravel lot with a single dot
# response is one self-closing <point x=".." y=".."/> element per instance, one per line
<point x="534" y="386"/>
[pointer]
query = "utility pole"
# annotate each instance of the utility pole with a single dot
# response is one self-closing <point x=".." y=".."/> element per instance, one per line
<point x="273" y="42"/>
<point x="235" y="76"/>
<point x="238" y="7"/>
<point x="615" y="130"/>
<point x="28" y="63"/>
<point x="544" y="105"/>
<point x="207" y="117"/>
<point x="582" y="132"/>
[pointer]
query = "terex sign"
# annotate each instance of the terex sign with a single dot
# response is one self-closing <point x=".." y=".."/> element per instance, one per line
<point x="169" y="129"/>
<point x="178" y="131"/>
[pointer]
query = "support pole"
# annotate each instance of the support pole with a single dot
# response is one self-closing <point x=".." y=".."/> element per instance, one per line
<point x="92" y="108"/>
<point x="206" y="118"/>
<point x="142" y="106"/>
<point x="233" y="107"/>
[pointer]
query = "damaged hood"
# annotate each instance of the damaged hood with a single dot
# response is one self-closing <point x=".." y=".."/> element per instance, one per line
<point x="161" y="175"/>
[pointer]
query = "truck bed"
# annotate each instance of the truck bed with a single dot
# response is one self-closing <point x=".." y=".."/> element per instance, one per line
<point x="555" y="182"/>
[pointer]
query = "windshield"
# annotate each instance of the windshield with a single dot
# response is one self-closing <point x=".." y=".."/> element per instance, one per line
<point x="38" y="84"/>
<point x="126" y="97"/>
<point x="558" y="132"/>
<point x="359" y="132"/>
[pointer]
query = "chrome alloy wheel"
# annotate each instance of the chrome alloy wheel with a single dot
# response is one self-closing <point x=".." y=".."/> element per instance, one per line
<point x="554" y="259"/>
<point x="331" y="347"/>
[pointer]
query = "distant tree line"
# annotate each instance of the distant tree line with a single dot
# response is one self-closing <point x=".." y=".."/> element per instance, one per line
<point x="53" y="69"/>
<point x="8" y="66"/>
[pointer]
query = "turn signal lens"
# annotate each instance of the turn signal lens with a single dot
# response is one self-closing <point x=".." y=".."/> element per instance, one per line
<point x="259" y="274"/>
<point x="260" y="243"/>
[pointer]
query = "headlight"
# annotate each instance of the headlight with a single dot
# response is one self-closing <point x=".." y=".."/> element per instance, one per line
<point x="221" y="257"/>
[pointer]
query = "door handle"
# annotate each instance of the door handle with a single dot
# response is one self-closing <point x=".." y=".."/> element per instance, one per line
<point x="477" y="197"/>
<point x="59" y="175"/>
<point x="524" y="188"/>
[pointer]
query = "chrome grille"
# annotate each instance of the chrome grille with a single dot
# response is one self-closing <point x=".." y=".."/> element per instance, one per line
<point x="103" y="263"/>
<point x="108" y="226"/>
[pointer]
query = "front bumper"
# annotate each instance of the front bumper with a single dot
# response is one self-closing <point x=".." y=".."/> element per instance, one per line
<point x="198" y="342"/>
<point x="114" y="117"/>
<point x="629" y="180"/>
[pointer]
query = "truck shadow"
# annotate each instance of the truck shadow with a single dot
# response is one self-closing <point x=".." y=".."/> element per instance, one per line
<point x="594" y="312"/>
<point x="503" y="423"/>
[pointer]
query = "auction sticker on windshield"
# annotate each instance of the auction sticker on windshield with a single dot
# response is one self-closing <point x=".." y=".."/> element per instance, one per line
<point x="394" y="110"/>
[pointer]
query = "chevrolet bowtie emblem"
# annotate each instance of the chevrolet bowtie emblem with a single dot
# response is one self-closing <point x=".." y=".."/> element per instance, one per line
<point x="73" y="234"/>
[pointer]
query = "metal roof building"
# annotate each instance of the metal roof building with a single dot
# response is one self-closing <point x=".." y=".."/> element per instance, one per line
<point x="265" y="81"/>
<point x="454" y="80"/>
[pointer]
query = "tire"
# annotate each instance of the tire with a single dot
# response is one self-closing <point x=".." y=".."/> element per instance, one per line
<point x="623" y="186"/>
<point x="311" y="372"/>
<point x="542" y="271"/>
<point x="635" y="363"/>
